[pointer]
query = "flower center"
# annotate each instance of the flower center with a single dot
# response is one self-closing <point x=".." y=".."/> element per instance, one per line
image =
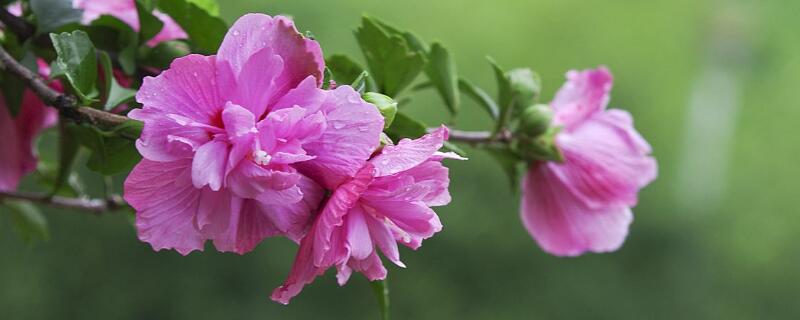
<point x="261" y="157"/>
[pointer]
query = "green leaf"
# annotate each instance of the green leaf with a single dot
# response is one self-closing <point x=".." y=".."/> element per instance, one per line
<point x="479" y="96"/>
<point x="327" y="77"/>
<point x="343" y="68"/>
<point x="504" y="98"/>
<point x="114" y="93"/>
<point x="404" y="126"/>
<point x="76" y="56"/>
<point x="111" y="153"/>
<point x="164" y="53"/>
<point x="441" y="70"/>
<point x="210" y="6"/>
<point x="149" y="25"/>
<point x="204" y="28"/>
<point x="68" y="148"/>
<point x="360" y="83"/>
<point x="509" y="161"/>
<point x="28" y="220"/>
<point x="52" y="14"/>
<point x="381" y="290"/>
<point x="114" y="35"/>
<point x="392" y="62"/>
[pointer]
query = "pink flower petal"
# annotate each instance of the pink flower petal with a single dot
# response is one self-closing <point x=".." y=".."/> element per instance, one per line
<point x="208" y="165"/>
<point x="408" y="153"/>
<point x="166" y="205"/>
<point x="252" y="33"/>
<point x="585" y="93"/>
<point x="358" y="238"/>
<point x="561" y="225"/>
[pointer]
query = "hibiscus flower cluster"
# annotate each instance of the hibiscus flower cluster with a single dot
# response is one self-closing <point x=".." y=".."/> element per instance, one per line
<point x="245" y="145"/>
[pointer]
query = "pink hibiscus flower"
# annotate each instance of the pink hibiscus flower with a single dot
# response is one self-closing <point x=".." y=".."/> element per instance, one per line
<point x="386" y="202"/>
<point x="125" y="10"/>
<point x="236" y="145"/>
<point x="584" y="204"/>
<point x="18" y="156"/>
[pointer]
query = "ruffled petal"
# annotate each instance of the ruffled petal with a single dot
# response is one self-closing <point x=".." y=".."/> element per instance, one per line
<point x="562" y="225"/>
<point x="351" y="134"/>
<point x="208" y="165"/>
<point x="358" y="238"/>
<point x="585" y="93"/>
<point x="188" y="88"/>
<point x="408" y="153"/>
<point x="253" y="33"/>
<point x="606" y="161"/>
<point x="427" y="182"/>
<point x="166" y="205"/>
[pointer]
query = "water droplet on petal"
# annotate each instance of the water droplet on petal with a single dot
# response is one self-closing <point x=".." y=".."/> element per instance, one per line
<point x="338" y="125"/>
<point x="235" y="32"/>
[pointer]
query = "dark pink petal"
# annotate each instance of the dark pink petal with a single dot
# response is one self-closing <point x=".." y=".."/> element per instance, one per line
<point x="427" y="182"/>
<point x="169" y="138"/>
<point x="352" y="131"/>
<point x="253" y="33"/>
<point x="293" y="220"/>
<point x="188" y="88"/>
<point x="252" y="181"/>
<point x="371" y="267"/>
<point x="585" y="93"/>
<point x="255" y="86"/>
<point x="214" y="210"/>
<point x="606" y="161"/>
<point x="410" y="222"/>
<point x="170" y="31"/>
<point x="562" y="225"/>
<point x="408" y="153"/>
<point x="303" y="272"/>
<point x="385" y="240"/>
<point x="166" y="204"/>
<point x="17" y="136"/>
<point x="208" y="165"/>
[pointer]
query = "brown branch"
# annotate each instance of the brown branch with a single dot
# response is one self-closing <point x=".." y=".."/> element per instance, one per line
<point x="91" y="205"/>
<point x="17" y="25"/>
<point x="66" y="104"/>
<point x="478" y="137"/>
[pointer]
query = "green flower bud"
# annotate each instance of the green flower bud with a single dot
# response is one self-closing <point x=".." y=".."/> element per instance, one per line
<point x="535" y="120"/>
<point x="386" y="106"/>
<point x="525" y="86"/>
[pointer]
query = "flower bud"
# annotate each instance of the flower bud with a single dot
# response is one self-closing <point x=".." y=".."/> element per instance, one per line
<point x="525" y="86"/>
<point x="542" y="147"/>
<point x="535" y="120"/>
<point x="386" y="106"/>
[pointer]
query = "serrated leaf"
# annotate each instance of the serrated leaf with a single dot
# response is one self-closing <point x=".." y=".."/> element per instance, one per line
<point x="343" y="68"/>
<point x="52" y="14"/>
<point x="392" y="62"/>
<point x="76" y="56"/>
<point x="204" y="28"/>
<point x="149" y="25"/>
<point x="441" y="70"/>
<point x="27" y="219"/>
<point x="480" y="97"/>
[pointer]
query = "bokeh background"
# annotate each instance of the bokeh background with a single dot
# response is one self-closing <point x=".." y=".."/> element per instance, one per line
<point x="712" y="85"/>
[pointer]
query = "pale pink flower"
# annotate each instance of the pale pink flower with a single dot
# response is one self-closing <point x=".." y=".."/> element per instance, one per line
<point x="231" y="142"/>
<point x="584" y="204"/>
<point x="386" y="202"/>
<point x="18" y="156"/>
<point x="125" y="10"/>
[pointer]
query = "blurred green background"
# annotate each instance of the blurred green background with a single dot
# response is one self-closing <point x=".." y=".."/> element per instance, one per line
<point x="712" y="85"/>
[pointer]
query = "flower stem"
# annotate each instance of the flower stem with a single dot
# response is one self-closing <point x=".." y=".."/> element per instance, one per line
<point x="381" y="290"/>
<point x="92" y="205"/>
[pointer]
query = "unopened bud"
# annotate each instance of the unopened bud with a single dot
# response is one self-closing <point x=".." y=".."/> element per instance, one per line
<point x="386" y="106"/>
<point x="535" y="120"/>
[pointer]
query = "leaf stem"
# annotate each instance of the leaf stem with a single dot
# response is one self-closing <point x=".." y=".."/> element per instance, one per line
<point x="381" y="290"/>
<point x="475" y="138"/>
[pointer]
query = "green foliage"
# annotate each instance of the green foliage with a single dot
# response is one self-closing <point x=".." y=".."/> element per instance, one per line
<point x="29" y="222"/>
<point x="112" y="151"/>
<point x="149" y="25"/>
<point x="76" y="57"/>
<point x="52" y="14"/>
<point x="404" y="126"/>
<point x="381" y="290"/>
<point x="509" y="161"/>
<point x="12" y="88"/>
<point x="200" y="21"/>
<point x="480" y="97"/>
<point x="393" y="61"/>
<point x="360" y="83"/>
<point x="343" y="68"/>
<point x="164" y="53"/>
<point x="113" y="35"/>
<point x="68" y="148"/>
<point x="441" y="70"/>
<point x="113" y="92"/>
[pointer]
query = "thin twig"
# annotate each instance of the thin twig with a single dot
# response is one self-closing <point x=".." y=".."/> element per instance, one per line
<point x="66" y="104"/>
<point x="477" y="137"/>
<point x="92" y="205"/>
